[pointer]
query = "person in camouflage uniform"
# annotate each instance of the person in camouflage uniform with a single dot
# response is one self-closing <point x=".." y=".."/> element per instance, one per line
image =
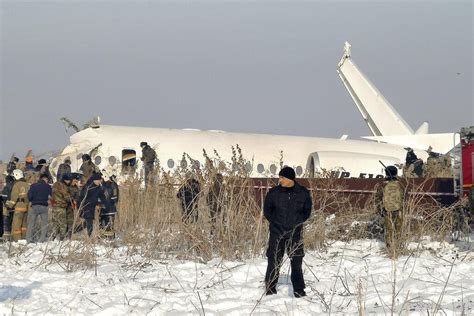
<point x="87" y="167"/>
<point x="389" y="198"/>
<point x="71" y="211"/>
<point x="20" y="203"/>
<point x="63" y="169"/>
<point x="433" y="165"/>
<point x="61" y="202"/>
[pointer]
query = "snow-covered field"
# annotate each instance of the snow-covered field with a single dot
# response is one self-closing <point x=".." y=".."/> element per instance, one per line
<point x="344" y="279"/>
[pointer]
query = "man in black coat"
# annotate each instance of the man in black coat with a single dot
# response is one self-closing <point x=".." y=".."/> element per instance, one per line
<point x="91" y="195"/>
<point x="7" y="212"/>
<point x="188" y="194"/>
<point x="109" y="206"/>
<point x="287" y="206"/>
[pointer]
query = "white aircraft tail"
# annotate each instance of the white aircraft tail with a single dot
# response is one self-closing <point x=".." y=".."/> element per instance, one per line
<point x="378" y="113"/>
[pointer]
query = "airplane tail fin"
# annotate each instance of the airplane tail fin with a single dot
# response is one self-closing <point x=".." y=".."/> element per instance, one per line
<point x="380" y="116"/>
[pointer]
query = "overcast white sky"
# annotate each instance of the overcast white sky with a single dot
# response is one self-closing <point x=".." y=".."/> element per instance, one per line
<point x="245" y="66"/>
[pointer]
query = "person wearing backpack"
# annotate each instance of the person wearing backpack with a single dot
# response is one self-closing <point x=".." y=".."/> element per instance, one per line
<point x="389" y="202"/>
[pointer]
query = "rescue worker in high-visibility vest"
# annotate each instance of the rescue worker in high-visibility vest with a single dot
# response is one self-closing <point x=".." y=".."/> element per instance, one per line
<point x="20" y="203"/>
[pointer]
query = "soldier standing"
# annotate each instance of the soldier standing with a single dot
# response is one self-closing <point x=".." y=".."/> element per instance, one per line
<point x="148" y="158"/>
<point x="63" y="168"/>
<point x="389" y="202"/>
<point x="87" y="168"/>
<point x="20" y="203"/>
<point x="71" y="211"/>
<point x="61" y="201"/>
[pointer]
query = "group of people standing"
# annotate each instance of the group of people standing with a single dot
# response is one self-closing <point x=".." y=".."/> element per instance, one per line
<point x="67" y="206"/>
<point x="436" y="166"/>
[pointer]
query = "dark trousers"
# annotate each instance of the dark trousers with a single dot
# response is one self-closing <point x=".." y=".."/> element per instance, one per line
<point x="1" y="220"/>
<point x="89" y="225"/>
<point x="277" y="245"/>
<point x="148" y="175"/>
<point x="7" y="224"/>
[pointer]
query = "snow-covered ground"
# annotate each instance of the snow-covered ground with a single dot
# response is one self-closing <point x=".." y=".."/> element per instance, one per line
<point x="345" y="278"/>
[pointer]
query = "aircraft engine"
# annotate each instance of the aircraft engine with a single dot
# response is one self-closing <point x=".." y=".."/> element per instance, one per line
<point x="340" y="164"/>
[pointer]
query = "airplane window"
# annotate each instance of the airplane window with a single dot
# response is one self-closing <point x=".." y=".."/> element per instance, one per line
<point x="260" y="168"/>
<point x="183" y="163"/>
<point x="170" y="163"/>
<point x="97" y="160"/>
<point x="79" y="156"/>
<point x="299" y="170"/>
<point x="112" y="160"/>
<point x="273" y="168"/>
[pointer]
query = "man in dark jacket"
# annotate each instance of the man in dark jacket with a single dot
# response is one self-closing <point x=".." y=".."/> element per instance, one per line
<point x="148" y="158"/>
<point x="188" y="195"/>
<point x="109" y="206"/>
<point x="91" y="195"/>
<point x="287" y="206"/>
<point x="38" y="195"/>
<point x="64" y="168"/>
<point x="7" y="212"/>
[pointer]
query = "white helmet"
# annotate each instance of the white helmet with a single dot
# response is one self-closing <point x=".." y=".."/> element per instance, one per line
<point x="17" y="174"/>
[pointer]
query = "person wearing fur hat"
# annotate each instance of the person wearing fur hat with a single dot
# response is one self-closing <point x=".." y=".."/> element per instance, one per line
<point x="287" y="206"/>
<point x="89" y="199"/>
